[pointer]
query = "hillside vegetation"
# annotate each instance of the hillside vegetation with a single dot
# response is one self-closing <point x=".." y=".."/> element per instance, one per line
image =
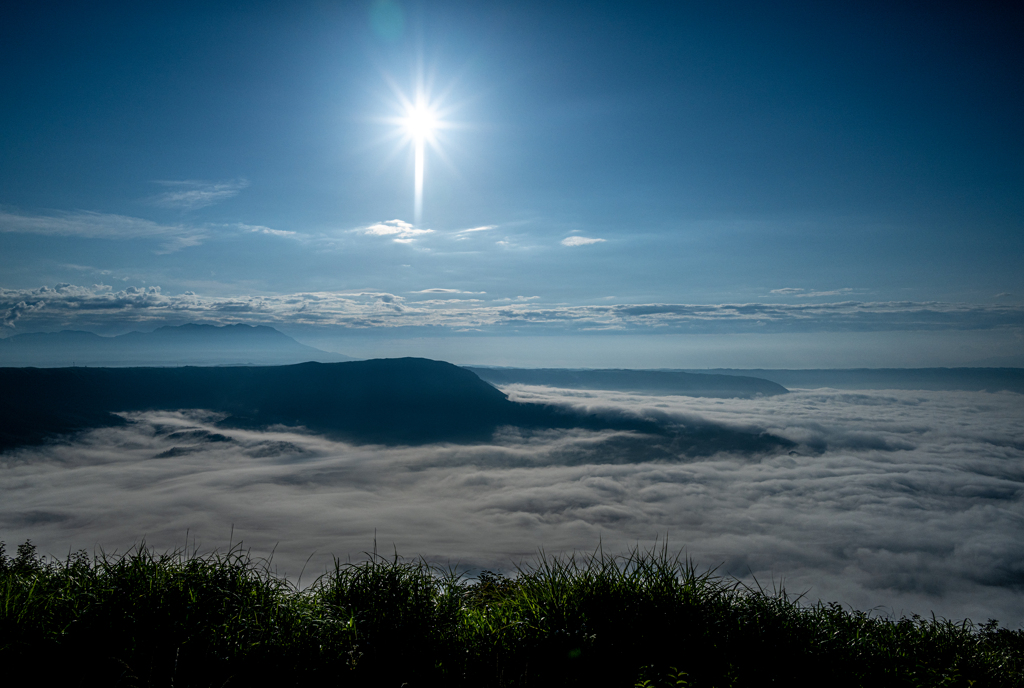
<point x="643" y="619"/>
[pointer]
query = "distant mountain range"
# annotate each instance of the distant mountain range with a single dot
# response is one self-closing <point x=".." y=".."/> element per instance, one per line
<point x="727" y="382"/>
<point x="952" y="379"/>
<point x="387" y="401"/>
<point x="644" y="381"/>
<point x="167" y="346"/>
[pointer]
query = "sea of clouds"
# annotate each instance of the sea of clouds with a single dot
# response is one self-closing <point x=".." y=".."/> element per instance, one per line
<point x="904" y="501"/>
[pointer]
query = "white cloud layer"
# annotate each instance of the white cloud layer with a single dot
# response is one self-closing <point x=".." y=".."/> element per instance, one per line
<point x="580" y="241"/>
<point x="66" y="305"/>
<point x="912" y="501"/>
<point x="399" y="230"/>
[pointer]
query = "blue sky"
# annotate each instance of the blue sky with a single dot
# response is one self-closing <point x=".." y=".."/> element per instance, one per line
<point x="676" y="184"/>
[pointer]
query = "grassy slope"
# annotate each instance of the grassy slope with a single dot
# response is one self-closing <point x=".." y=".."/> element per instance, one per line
<point x="644" y="619"/>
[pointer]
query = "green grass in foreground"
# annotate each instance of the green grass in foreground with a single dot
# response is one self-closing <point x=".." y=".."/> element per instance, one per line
<point x="644" y="619"/>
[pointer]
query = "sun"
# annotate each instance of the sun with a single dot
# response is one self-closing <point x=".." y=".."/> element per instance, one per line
<point x="420" y="122"/>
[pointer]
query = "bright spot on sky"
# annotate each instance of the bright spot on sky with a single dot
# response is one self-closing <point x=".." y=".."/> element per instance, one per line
<point x="420" y="122"/>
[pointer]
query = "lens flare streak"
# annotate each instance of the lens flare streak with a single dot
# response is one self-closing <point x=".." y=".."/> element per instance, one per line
<point x="418" y="124"/>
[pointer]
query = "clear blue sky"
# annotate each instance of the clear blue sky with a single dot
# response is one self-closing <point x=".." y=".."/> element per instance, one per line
<point x="685" y="183"/>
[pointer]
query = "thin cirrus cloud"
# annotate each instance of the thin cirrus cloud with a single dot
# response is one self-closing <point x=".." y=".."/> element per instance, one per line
<point x="93" y="225"/>
<point x="580" y="241"/>
<point x="440" y="290"/>
<point x="260" y="229"/>
<point x="919" y="514"/>
<point x="465" y="233"/>
<point x="398" y="230"/>
<point x="803" y="293"/>
<point x="192" y="194"/>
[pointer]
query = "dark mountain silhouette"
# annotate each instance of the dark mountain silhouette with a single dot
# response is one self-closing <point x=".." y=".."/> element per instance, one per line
<point x="651" y="381"/>
<point x="965" y="379"/>
<point x="389" y="401"/>
<point x="190" y="344"/>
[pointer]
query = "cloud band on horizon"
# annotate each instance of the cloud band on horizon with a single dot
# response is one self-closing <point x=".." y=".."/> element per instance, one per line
<point x="66" y="305"/>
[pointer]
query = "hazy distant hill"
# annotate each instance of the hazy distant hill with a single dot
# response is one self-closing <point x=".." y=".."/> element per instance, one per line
<point x="167" y="346"/>
<point x="390" y="401"/>
<point x="650" y="381"/>
<point x="967" y="379"/>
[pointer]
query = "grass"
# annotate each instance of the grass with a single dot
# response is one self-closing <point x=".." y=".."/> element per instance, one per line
<point x="646" y="619"/>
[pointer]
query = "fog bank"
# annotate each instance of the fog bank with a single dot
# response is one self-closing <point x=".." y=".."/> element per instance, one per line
<point x="911" y="501"/>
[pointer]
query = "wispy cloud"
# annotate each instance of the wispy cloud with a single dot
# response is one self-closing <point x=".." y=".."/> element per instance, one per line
<point x="463" y="233"/>
<point x="192" y="194"/>
<point x="92" y="225"/>
<point x="399" y="230"/>
<point x="85" y="268"/>
<point x="580" y="241"/>
<point x="803" y="293"/>
<point x="439" y="290"/>
<point x="260" y="229"/>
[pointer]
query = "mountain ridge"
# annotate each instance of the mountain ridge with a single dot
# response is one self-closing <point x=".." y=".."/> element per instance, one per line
<point x="409" y="401"/>
<point x="944" y="379"/>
